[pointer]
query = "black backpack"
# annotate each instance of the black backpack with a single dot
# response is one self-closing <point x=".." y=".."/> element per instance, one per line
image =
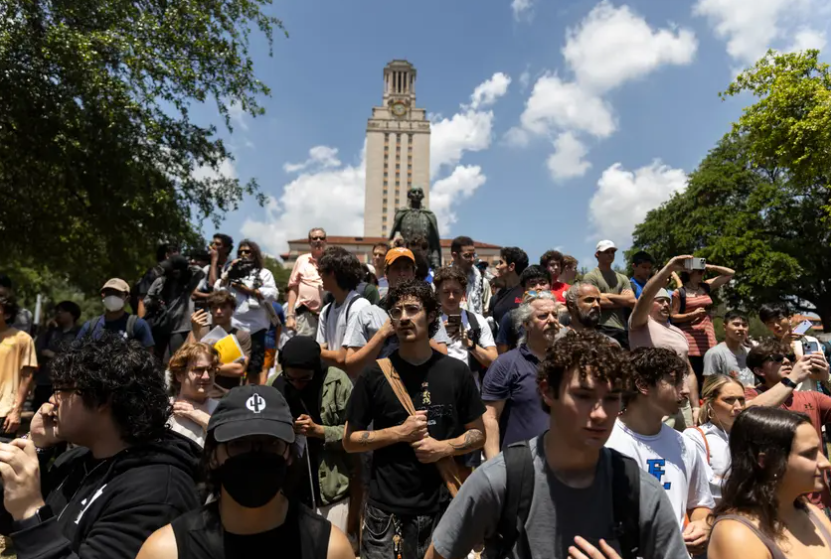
<point x="519" y="466"/>
<point x="682" y="296"/>
<point x="131" y="325"/>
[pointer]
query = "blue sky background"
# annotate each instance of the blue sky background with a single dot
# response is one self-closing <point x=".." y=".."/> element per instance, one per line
<point x="327" y="75"/>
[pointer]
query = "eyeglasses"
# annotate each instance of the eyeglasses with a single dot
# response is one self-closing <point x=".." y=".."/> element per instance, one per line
<point x="396" y="313"/>
<point x="535" y="294"/>
<point x="317" y="238"/>
<point x="469" y="255"/>
<point x="200" y="371"/>
<point x="244" y="251"/>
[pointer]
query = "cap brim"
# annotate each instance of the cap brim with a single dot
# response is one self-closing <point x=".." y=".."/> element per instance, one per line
<point x="251" y="427"/>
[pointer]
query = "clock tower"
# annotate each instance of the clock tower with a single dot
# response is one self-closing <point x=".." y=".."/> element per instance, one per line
<point x="397" y="150"/>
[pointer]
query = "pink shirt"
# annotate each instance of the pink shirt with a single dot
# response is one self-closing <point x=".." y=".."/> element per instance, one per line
<point x="306" y="278"/>
<point x="655" y="334"/>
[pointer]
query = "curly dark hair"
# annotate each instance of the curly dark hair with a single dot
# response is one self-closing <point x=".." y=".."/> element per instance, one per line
<point x="764" y="351"/>
<point x="752" y="484"/>
<point x="422" y="291"/>
<point x="122" y="374"/>
<point x="515" y="256"/>
<point x="345" y="265"/>
<point x="449" y="273"/>
<point x="9" y="304"/>
<point x="550" y="255"/>
<point x="533" y="272"/>
<point x="256" y="253"/>
<point x="650" y="365"/>
<point x="584" y="352"/>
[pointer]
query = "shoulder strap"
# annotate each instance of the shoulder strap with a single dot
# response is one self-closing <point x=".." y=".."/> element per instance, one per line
<point x="352" y="302"/>
<point x="397" y="386"/>
<point x="131" y="325"/>
<point x="682" y="299"/>
<point x="706" y="444"/>
<point x="519" y="491"/>
<point x="93" y="324"/>
<point x="626" y="503"/>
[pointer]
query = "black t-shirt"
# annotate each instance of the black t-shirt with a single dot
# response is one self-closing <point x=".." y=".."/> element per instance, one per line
<point x="505" y="301"/>
<point x="443" y="386"/>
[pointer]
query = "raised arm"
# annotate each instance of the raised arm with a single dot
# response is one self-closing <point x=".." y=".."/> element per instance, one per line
<point x="640" y="314"/>
<point x="724" y="275"/>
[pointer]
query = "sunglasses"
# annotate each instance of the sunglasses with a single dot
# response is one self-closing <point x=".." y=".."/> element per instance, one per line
<point x="535" y="294"/>
<point x="317" y="238"/>
<point x="244" y="251"/>
<point x="781" y="357"/>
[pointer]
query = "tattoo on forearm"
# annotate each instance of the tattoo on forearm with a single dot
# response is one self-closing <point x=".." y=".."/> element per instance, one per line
<point x="366" y="438"/>
<point x="472" y="438"/>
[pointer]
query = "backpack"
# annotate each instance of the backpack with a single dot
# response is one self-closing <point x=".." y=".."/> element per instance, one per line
<point x="519" y="466"/>
<point x="131" y="325"/>
<point x="682" y="296"/>
<point x="325" y="316"/>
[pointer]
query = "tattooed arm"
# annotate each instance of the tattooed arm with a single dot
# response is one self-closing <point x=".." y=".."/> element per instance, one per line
<point x="429" y="450"/>
<point x="413" y="429"/>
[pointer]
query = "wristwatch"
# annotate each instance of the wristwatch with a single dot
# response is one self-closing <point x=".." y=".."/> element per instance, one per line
<point x="41" y="515"/>
<point x="789" y="383"/>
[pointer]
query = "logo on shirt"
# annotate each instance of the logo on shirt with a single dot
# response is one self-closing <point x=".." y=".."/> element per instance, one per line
<point x="255" y="403"/>
<point x="656" y="467"/>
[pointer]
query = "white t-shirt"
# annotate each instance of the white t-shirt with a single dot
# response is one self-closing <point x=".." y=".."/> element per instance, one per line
<point x="189" y="428"/>
<point x="673" y="460"/>
<point x="455" y="348"/>
<point x="718" y="442"/>
<point x="332" y="331"/>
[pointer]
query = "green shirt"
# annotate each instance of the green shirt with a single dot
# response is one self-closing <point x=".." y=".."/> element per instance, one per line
<point x="613" y="283"/>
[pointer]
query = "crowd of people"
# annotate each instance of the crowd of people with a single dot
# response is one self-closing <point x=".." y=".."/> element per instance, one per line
<point x="392" y="409"/>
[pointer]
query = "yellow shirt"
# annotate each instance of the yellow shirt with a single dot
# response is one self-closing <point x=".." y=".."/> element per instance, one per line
<point x="17" y="350"/>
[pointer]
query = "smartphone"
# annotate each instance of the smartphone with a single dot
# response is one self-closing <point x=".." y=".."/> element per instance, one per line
<point x="802" y="327"/>
<point x="695" y="264"/>
<point x="809" y="347"/>
<point x="453" y="325"/>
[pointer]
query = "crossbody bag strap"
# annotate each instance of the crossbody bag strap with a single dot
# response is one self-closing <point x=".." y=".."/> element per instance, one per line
<point x="706" y="444"/>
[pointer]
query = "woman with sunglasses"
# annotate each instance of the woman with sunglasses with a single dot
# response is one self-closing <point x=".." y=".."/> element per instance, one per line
<point x="254" y="289"/>
<point x="192" y="373"/>
<point x="723" y="400"/>
<point x="779" y="372"/>
<point x="763" y="514"/>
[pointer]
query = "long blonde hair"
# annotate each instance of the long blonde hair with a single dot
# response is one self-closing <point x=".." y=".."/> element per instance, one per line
<point x="710" y="391"/>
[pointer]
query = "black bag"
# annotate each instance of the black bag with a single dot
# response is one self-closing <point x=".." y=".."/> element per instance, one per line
<point x="519" y="469"/>
<point x="682" y="296"/>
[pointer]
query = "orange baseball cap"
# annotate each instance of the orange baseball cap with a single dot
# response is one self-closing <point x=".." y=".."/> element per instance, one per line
<point x="394" y="254"/>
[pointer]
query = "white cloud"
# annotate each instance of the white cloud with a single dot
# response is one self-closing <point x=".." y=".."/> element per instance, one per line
<point x="450" y="137"/>
<point x="237" y="115"/>
<point x="556" y="104"/>
<point x="461" y="184"/>
<point x="614" y="45"/>
<point x="522" y="9"/>
<point x="525" y="79"/>
<point x="567" y="160"/>
<point x="226" y="169"/>
<point x="323" y="157"/>
<point x="751" y="27"/>
<point x="330" y="197"/>
<point x="623" y="198"/>
<point x="608" y="48"/>
<point x="487" y="93"/>
<point x="806" y="39"/>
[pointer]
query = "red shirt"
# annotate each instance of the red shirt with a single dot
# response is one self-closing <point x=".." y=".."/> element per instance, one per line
<point x="816" y="406"/>
<point x="559" y="289"/>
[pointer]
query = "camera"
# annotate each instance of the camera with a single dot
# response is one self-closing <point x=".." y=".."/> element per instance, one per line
<point x="240" y="270"/>
<point x="695" y="264"/>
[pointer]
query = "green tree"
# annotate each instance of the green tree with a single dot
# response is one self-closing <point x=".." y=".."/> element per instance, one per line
<point x="98" y="152"/>
<point x="754" y="219"/>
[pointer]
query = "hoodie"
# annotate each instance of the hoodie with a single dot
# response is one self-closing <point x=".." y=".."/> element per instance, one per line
<point x="107" y="508"/>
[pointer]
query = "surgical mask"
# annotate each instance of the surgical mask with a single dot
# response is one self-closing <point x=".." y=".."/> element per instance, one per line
<point x="253" y="479"/>
<point x="113" y="303"/>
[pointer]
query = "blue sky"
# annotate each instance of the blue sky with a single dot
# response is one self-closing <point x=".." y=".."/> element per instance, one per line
<point x="587" y="113"/>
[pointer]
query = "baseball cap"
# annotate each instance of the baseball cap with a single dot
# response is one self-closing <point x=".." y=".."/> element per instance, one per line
<point x="252" y="410"/>
<point x="395" y="253"/>
<point x="662" y="294"/>
<point x="605" y="245"/>
<point x="117" y="284"/>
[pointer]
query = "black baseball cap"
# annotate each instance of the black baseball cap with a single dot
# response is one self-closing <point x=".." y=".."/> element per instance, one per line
<point x="252" y="410"/>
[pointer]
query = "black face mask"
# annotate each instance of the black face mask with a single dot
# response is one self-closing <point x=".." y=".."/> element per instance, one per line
<point x="253" y="479"/>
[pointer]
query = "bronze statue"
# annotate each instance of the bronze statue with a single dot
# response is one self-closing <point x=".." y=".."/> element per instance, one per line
<point x="416" y="221"/>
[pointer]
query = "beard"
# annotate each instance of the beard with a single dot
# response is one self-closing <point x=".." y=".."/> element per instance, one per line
<point x="590" y="319"/>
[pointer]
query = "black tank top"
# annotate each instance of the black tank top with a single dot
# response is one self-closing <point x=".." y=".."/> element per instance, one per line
<point x="199" y="535"/>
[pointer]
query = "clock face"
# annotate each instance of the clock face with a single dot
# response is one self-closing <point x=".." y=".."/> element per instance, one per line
<point x="398" y="109"/>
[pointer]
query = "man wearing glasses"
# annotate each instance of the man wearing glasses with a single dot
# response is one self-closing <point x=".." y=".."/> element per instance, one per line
<point x="463" y="252"/>
<point x="407" y="494"/>
<point x="305" y="287"/>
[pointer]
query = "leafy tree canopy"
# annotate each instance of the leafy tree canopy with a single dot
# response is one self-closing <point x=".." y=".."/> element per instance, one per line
<point x="97" y="148"/>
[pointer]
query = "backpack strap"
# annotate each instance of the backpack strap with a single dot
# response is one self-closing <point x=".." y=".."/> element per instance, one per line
<point x="519" y="491"/>
<point x="706" y="444"/>
<point x="626" y="503"/>
<point x="131" y="325"/>
<point x="93" y="325"/>
<point x="682" y="299"/>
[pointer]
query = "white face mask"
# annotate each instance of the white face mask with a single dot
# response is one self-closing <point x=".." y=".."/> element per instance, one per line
<point x="113" y="303"/>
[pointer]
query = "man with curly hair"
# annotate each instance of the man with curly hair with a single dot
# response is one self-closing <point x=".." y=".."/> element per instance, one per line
<point x="127" y="476"/>
<point x="575" y="482"/>
<point x="658" y="389"/>
<point x="407" y="494"/>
